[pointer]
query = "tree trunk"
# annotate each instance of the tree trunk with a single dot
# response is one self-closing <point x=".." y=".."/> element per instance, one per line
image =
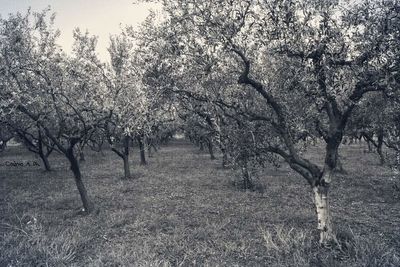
<point x="323" y="214"/>
<point x="321" y="189"/>
<point x="3" y="145"/>
<point x="81" y="156"/>
<point x="379" y="147"/>
<point x="127" y="171"/>
<point x="87" y="206"/>
<point x="45" y="161"/>
<point x="151" y="145"/>
<point x="247" y="183"/>
<point x="142" y="150"/>
<point x="201" y="146"/>
<point x="210" y="149"/>
<point x="369" y="146"/>
<point x="42" y="155"/>
<point x="224" y="159"/>
<point x="339" y="166"/>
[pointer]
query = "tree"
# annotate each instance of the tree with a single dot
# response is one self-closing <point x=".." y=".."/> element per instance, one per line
<point x="308" y="63"/>
<point x="6" y="134"/>
<point x="130" y="103"/>
<point x="32" y="136"/>
<point x="368" y="121"/>
<point x="61" y="95"/>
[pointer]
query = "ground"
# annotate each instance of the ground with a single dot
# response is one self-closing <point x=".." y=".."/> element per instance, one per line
<point x="182" y="209"/>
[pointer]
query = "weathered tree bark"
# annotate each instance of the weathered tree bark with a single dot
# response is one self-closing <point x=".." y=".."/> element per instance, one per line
<point x="142" y="150"/>
<point x="323" y="212"/>
<point x="87" y="206"/>
<point x="321" y="189"/>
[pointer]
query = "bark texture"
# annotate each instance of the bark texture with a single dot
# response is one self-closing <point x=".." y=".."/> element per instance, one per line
<point x="323" y="214"/>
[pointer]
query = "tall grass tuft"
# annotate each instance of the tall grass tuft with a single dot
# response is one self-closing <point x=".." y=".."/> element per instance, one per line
<point x="293" y="247"/>
<point x="27" y="243"/>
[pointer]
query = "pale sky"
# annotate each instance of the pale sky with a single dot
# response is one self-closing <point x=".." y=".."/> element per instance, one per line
<point x="100" y="17"/>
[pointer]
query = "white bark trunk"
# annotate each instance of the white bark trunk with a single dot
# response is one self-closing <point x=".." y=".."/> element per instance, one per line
<point x="323" y="214"/>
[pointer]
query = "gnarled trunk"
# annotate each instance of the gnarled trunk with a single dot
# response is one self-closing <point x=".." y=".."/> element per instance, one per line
<point x="321" y="190"/>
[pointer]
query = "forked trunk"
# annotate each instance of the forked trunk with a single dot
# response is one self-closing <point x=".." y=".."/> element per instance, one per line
<point x="78" y="180"/>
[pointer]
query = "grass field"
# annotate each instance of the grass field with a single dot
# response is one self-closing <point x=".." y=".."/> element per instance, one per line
<point x="183" y="210"/>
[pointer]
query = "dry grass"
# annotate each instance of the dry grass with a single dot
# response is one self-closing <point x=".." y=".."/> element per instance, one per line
<point x="182" y="210"/>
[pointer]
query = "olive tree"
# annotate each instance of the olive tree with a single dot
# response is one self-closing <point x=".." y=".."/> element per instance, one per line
<point x="310" y="63"/>
<point x="62" y="95"/>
